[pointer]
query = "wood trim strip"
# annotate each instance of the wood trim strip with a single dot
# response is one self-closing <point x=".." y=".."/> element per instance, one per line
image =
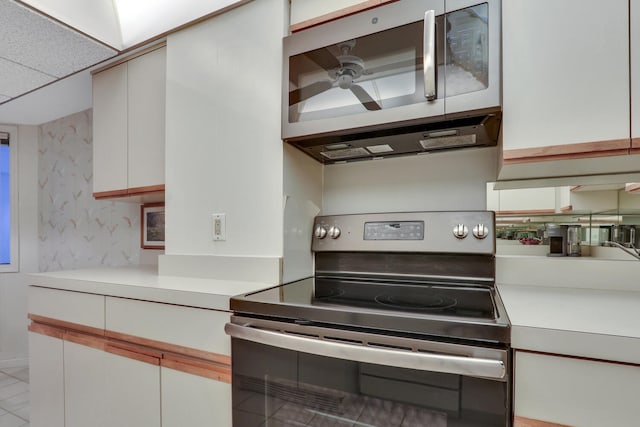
<point x="141" y="357"/>
<point x="110" y="194"/>
<point x="617" y="147"/>
<point x="528" y="422"/>
<point x="47" y="330"/>
<point x="635" y="143"/>
<point x="170" y="348"/>
<point x="66" y="325"/>
<point x="341" y="13"/>
<point x="134" y="348"/>
<point x="527" y="212"/>
<point x="632" y="188"/>
<point x="137" y="191"/>
<point x="86" y="340"/>
<point x="567" y="208"/>
<point x="569" y="356"/>
<point x="200" y="368"/>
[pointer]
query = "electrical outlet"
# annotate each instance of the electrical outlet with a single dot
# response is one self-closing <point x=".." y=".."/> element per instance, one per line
<point x="219" y="226"/>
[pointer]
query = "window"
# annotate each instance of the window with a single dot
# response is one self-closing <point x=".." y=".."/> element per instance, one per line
<point x="8" y="201"/>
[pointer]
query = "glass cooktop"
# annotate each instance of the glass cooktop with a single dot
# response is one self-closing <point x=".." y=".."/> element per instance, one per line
<point x="452" y="310"/>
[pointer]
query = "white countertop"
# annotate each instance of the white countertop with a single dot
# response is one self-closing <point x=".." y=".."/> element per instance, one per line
<point x="580" y="307"/>
<point x="144" y="283"/>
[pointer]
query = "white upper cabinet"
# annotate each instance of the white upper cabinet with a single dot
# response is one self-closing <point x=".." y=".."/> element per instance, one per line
<point x="129" y="126"/>
<point x="566" y="88"/>
<point x="635" y="71"/>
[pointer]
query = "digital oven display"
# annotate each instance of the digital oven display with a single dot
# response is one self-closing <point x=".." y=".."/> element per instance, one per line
<point x="394" y="230"/>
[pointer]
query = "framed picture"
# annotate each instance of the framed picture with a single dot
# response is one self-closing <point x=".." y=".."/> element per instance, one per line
<point x="152" y="226"/>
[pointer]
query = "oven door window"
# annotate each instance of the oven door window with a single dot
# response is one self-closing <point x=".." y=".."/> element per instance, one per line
<point x="278" y="387"/>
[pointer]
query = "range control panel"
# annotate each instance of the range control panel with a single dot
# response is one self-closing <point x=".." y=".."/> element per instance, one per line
<point x="435" y="232"/>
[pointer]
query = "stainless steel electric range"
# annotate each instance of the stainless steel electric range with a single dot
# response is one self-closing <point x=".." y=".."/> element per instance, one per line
<point x="401" y="325"/>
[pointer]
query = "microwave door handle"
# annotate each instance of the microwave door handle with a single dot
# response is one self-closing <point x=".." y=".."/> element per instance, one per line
<point x="458" y="365"/>
<point x="429" y="55"/>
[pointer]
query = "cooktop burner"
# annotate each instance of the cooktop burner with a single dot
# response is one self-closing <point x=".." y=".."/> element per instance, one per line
<point x="433" y="298"/>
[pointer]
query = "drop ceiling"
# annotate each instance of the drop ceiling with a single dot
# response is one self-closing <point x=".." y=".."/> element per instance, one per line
<point x="49" y="46"/>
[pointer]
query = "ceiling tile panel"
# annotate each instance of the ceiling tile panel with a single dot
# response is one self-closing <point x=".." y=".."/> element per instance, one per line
<point x="38" y="42"/>
<point x="18" y="79"/>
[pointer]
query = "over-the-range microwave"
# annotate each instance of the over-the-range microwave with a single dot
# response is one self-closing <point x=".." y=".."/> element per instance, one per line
<point x="406" y="77"/>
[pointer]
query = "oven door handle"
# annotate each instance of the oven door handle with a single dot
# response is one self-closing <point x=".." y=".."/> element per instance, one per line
<point x="459" y="365"/>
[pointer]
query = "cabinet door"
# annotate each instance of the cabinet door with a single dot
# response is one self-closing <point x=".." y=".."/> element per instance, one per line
<point x="46" y="381"/>
<point x="84" y="391"/>
<point x="576" y="392"/>
<point x="191" y="400"/>
<point x="146" y="108"/>
<point x="132" y="390"/>
<point x="110" y="129"/>
<point x="565" y="79"/>
<point x="635" y="74"/>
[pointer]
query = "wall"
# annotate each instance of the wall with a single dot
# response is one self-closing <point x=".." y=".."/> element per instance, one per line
<point x="74" y="229"/>
<point x="223" y="147"/>
<point x="13" y="286"/>
<point x="451" y="180"/>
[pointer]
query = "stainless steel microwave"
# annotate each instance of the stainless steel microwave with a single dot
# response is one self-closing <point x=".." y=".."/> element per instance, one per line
<point x="430" y="69"/>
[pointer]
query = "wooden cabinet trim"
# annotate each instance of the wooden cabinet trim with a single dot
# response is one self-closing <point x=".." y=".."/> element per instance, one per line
<point x="65" y="325"/>
<point x="633" y="188"/>
<point x="617" y="147"/>
<point x="141" y="357"/>
<point x="197" y="362"/>
<point x="136" y="191"/>
<point x="47" y="330"/>
<point x="635" y="143"/>
<point x="201" y="368"/>
<point x="110" y="194"/>
<point x="567" y="208"/>
<point x="170" y="348"/>
<point x="332" y="16"/>
<point x="528" y="422"/>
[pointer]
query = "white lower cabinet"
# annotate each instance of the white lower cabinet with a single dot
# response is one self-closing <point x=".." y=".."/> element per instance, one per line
<point x="194" y="401"/>
<point x="132" y="392"/>
<point x="84" y="391"/>
<point x="576" y="392"/>
<point x="46" y="381"/>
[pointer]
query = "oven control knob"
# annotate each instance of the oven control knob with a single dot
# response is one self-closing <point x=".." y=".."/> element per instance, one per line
<point x="320" y="232"/>
<point x="334" y="232"/>
<point x="460" y="231"/>
<point x="480" y="231"/>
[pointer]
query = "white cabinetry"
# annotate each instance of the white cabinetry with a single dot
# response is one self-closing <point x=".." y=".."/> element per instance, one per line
<point x="46" y="380"/>
<point x="191" y="400"/>
<point x="98" y="360"/>
<point x="128" y="126"/>
<point x="576" y="392"/>
<point x="566" y="88"/>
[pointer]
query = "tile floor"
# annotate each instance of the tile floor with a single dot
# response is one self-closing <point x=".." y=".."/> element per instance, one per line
<point x="14" y="397"/>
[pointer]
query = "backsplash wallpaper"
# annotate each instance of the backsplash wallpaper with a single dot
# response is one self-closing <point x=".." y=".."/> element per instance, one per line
<point x="75" y="230"/>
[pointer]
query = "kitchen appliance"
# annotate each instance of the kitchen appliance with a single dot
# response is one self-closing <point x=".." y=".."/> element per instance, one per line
<point x="408" y="77"/>
<point x="574" y="238"/>
<point x="401" y="325"/>
<point x="557" y="235"/>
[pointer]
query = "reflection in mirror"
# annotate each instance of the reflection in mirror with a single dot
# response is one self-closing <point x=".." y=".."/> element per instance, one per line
<point x="596" y="221"/>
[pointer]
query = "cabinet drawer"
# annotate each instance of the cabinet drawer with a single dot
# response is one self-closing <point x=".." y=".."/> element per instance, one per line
<point x="68" y="306"/>
<point x="193" y="328"/>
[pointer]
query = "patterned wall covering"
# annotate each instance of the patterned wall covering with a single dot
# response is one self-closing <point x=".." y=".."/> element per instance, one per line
<point x="75" y="230"/>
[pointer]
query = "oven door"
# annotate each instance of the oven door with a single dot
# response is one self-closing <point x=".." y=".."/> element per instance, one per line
<point x="296" y="375"/>
<point x="393" y="63"/>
